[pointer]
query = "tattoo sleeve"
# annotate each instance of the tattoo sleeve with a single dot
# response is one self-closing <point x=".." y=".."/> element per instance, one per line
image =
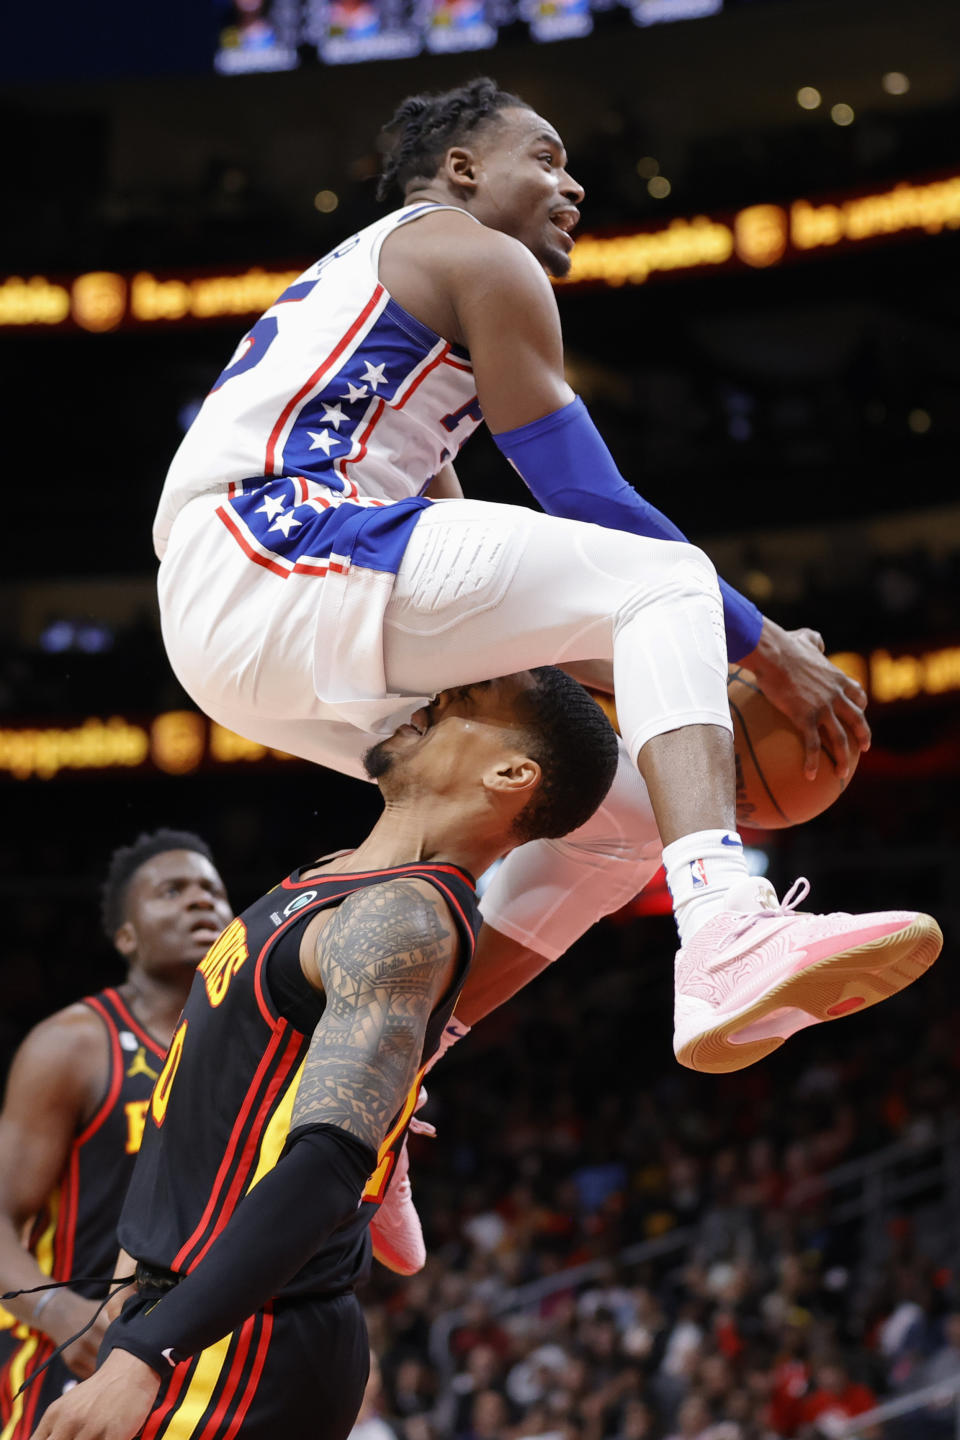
<point x="383" y="958"/>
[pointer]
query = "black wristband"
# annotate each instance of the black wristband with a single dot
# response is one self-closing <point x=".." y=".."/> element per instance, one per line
<point x="274" y="1231"/>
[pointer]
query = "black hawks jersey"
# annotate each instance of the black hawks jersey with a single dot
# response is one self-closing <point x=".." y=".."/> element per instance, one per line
<point x="221" y="1110"/>
<point x="75" y="1232"/>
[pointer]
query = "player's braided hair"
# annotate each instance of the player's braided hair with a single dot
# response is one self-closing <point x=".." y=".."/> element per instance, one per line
<point x="126" y="861"/>
<point x="575" y="746"/>
<point x="425" y="126"/>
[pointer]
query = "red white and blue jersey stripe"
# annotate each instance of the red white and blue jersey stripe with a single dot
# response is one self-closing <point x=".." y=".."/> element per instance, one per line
<point x="337" y="407"/>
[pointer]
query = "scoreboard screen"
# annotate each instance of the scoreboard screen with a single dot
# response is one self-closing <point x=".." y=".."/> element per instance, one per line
<point x="239" y="37"/>
<point x="278" y="34"/>
<point x="259" y="35"/>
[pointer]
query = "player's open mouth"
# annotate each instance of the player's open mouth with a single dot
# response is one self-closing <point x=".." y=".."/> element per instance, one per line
<point x="205" y="930"/>
<point x="565" y="221"/>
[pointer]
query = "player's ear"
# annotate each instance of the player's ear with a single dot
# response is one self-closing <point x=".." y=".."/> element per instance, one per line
<point x="125" y="940"/>
<point x="517" y="776"/>
<point x="460" y="167"/>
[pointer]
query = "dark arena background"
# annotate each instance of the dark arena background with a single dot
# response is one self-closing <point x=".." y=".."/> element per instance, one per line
<point x="764" y="317"/>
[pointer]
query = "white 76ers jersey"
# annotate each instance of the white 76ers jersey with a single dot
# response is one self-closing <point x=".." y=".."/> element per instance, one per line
<point x="337" y="391"/>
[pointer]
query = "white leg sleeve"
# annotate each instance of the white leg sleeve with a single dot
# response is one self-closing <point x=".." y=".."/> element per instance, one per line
<point x="548" y="893"/>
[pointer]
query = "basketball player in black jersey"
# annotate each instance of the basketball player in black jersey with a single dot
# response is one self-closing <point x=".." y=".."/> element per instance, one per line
<point x="74" y="1111"/>
<point x="275" y="1125"/>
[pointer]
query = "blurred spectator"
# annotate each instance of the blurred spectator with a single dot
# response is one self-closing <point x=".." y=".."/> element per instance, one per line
<point x="944" y="1363"/>
<point x="489" y="1415"/>
<point x="370" y="1424"/>
<point x="833" y="1398"/>
<point x="693" y="1420"/>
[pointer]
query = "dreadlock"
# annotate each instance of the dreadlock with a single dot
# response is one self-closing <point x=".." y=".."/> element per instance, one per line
<point x="126" y="861"/>
<point x="425" y="126"/>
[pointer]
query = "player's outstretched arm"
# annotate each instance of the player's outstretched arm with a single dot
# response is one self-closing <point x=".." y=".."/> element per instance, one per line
<point x="509" y="321"/>
<point x="57" y="1078"/>
<point x="506" y="314"/>
<point x="383" y="959"/>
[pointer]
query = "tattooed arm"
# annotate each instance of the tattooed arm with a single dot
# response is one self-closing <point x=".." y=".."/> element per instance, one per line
<point x="383" y="958"/>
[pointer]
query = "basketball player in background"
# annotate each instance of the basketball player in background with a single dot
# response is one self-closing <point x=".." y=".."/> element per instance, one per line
<point x="313" y="594"/>
<point x="74" y="1111"/>
<point x="294" y="1070"/>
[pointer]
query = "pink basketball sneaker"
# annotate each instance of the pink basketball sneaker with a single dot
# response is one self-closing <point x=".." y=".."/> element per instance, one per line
<point x="760" y="971"/>
<point x="395" y="1232"/>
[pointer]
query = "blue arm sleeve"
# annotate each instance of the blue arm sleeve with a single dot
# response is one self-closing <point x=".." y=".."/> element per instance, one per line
<point x="566" y="466"/>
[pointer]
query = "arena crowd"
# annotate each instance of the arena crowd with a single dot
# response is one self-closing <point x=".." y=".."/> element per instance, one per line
<point x="776" y="1315"/>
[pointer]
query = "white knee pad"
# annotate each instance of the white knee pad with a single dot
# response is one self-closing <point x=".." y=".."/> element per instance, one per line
<point x="669" y="649"/>
<point x="548" y="893"/>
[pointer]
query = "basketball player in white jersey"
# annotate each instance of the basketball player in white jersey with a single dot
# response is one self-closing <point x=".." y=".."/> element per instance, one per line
<point x="322" y="577"/>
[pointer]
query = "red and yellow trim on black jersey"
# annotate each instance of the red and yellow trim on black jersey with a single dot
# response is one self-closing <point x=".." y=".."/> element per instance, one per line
<point x="208" y="1396"/>
<point x="19" y="1411"/>
<point x="272" y="1075"/>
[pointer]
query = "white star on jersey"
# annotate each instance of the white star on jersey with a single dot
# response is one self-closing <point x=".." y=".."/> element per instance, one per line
<point x="323" y="440"/>
<point x="286" y="522"/>
<point x="357" y="392"/>
<point x="271" y="507"/>
<point x="374" y="375"/>
<point x="258" y="430"/>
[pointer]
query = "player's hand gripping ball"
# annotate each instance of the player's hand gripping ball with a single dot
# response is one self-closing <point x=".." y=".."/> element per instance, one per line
<point x="772" y="790"/>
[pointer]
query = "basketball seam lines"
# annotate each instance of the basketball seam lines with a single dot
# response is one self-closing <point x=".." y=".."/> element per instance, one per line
<point x="756" y="763"/>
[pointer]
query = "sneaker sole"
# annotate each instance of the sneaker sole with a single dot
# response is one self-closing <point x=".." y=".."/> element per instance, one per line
<point x="831" y="989"/>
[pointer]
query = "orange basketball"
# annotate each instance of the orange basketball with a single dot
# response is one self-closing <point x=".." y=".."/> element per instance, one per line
<point x="772" y="791"/>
